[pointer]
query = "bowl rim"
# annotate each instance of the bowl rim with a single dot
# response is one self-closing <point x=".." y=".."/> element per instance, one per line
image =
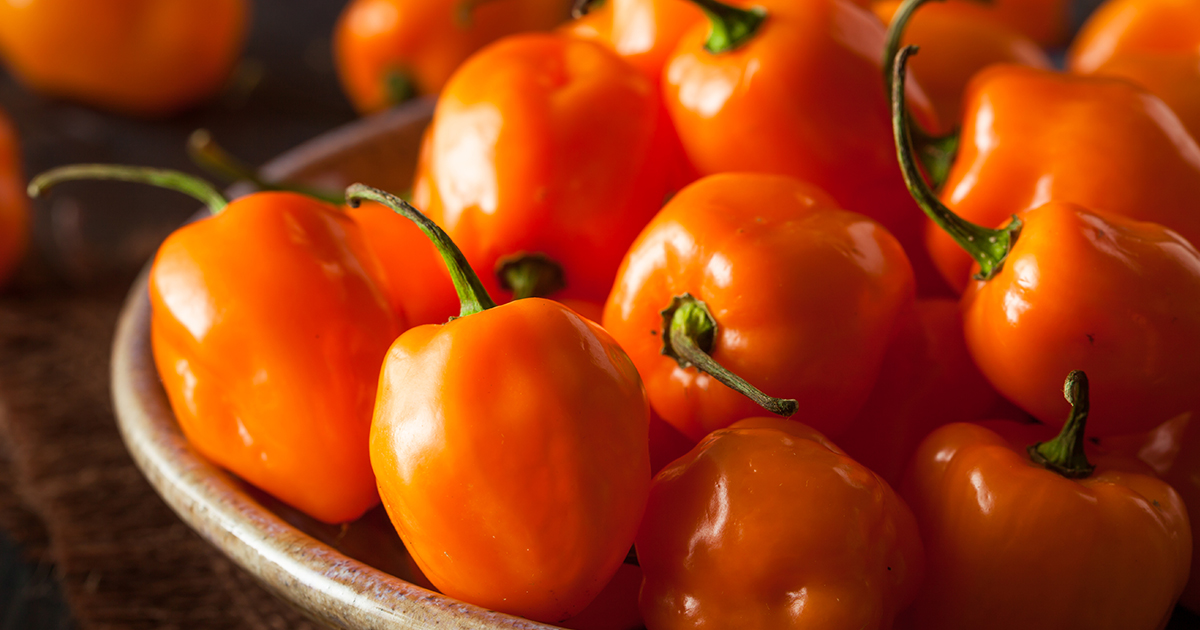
<point x="320" y="582"/>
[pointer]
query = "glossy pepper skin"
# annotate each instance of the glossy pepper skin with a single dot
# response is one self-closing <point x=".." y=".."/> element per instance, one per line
<point x="14" y="204"/>
<point x="958" y="40"/>
<point x="547" y="144"/>
<point x="768" y="525"/>
<point x="643" y="32"/>
<point x="802" y="97"/>
<point x="806" y="298"/>
<point x="140" y="57"/>
<point x="390" y="50"/>
<point x="1012" y="545"/>
<point x="1142" y="165"/>
<point x="510" y="448"/>
<point x="268" y="328"/>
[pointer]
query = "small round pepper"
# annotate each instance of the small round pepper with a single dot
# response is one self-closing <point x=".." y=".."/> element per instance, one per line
<point x="14" y="205"/>
<point x="766" y="525"/>
<point x="142" y="57"/>
<point x="510" y="447"/>
<point x="643" y="32"/>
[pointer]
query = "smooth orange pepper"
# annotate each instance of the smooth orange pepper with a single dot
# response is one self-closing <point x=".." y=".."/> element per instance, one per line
<point x="958" y="40"/>
<point x="1154" y="43"/>
<point x="14" y="205"/>
<point x="550" y="148"/>
<point x="1047" y="22"/>
<point x="1043" y="539"/>
<point x="388" y="51"/>
<point x="510" y="447"/>
<point x="268" y="327"/>
<point x="768" y="525"/>
<point x="1064" y="288"/>
<point x="643" y="32"/>
<point x="142" y="57"/>
<point x="801" y="95"/>
<point x="793" y="295"/>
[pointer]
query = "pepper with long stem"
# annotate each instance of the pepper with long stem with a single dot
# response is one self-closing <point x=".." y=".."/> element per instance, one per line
<point x="1064" y="454"/>
<point x="988" y="247"/>
<point x="163" y="178"/>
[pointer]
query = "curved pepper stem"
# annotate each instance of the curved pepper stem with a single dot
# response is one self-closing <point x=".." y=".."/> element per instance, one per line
<point x="210" y="156"/>
<point x="689" y="331"/>
<point x="1064" y="454"/>
<point x="471" y="294"/>
<point x="530" y="275"/>
<point x="731" y="27"/>
<point x="988" y="247"/>
<point x="581" y="8"/>
<point x="163" y="178"/>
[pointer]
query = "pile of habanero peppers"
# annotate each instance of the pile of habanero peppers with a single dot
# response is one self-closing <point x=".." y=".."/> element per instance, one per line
<point x="894" y="358"/>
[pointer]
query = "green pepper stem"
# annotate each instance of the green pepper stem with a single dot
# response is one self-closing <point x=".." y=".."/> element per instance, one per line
<point x="581" y="8"/>
<point x="530" y="275"/>
<point x="732" y="27"/>
<point x="399" y="86"/>
<point x="689" y="332"/>
<point x="1064" y="454"/>
<point x="471" y="294"/>
<point x="210" y="156"/>
<point x="988" y="247"/>
<point x="163" y="178"/>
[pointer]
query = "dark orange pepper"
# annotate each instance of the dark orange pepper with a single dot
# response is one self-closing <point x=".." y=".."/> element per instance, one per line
<point x="958" y="40"/>
<point x="268" y="327"/>
<point x="143" y="57"/>
<point x="767" y="278"/>
<point x="388" y="51"/>
<point x="510" y="447"/>
<point x="1042" y="539"/>
<point x="1047" y="22"/>
<point x="1063" y="287"/>
<point x="550" y="151"/>
<point x="798" y="92"/>
<point x="1154" y="43"/>
<point x="14" y="205"/>
<point x="643" y="32"/>
<point x="768" y="525"/>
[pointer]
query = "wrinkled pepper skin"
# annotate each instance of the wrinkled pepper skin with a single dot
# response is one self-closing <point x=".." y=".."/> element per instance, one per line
<point x="14" y="203"/>
<point x="803" y="97"/>
<point x="1011" y="544"/>
<point x="511" y="452"/>
<point x="958" y="40"/>
<point x="140" y="57"/>
<point x="766" y="525"/>
<point x="643" y="32"/>
<point x="268" y="328"/>
<point x="1101" y="143"/>
<point x="420" y="43"/>
<point x="502" y="165"/>
<point x="1116" y="298"/>
<point x="806" y="298"/>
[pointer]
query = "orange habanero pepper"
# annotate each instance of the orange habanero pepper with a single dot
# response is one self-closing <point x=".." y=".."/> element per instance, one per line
<point x="766" y="525"/>
<point x="510" y="447"/>
<point x="14" y="205"/>
<point x="546" y="156"/>
<point x="793" y="88"/>
<point x="1039" y="538"/>
<point x="268" y="327"/>
<point x="388" y="51"/>
<point x="1047" y="22"/>
<point x="1153" y="43"/>
<point x="959" y="40"/>
<point x="1065" y="286"/>
<point x="643" y="32"/>
<point x="142" y="57"/>
<point x="762" y="276"/>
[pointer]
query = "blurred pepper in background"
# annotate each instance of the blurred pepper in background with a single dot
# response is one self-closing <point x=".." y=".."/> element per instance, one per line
<point x="14" y="202"/>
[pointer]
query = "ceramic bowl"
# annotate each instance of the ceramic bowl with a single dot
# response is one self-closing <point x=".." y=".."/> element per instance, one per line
<point x="354" y="577"/>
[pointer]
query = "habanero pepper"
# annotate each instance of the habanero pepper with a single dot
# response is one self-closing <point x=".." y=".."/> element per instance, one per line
<point x="510" y="447"/>
<point x="1039" y="538"/>
<point x="546" y="156"/>
<point x="1031" y="136"/>
<point x="268" y="327"/>
<point x="767" y="525"/>
<point x="388" y="51"/>
<point x="14" y="205"/>
<point x="1064" y="287"/>
<point x="643" y="32"/>
<point x="764" y="277"/>
<point x="793" y="88"/>
<point x="1046" y="22"/>
<point x="141" y="57"/>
